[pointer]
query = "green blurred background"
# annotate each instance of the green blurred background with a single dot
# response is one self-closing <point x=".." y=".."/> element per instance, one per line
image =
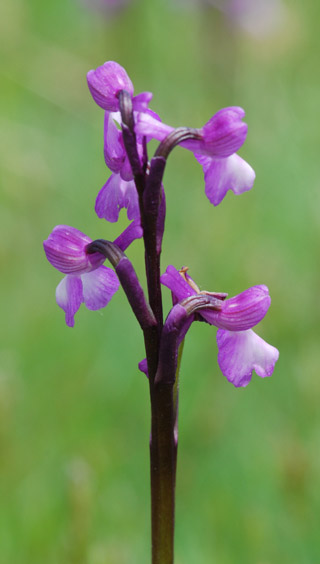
<point x="74" y="411"/>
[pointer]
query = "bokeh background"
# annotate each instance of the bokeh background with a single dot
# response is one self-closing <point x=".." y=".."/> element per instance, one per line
<point x="74" y="411"/>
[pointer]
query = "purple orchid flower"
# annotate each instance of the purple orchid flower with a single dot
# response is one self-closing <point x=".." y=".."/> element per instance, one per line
<point x="240" y="350"/>
<point x="215" y="149"/>
<point x="87" y="280"/>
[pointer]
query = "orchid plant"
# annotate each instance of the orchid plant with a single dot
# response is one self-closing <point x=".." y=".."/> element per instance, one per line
<point x="136" y="185"/>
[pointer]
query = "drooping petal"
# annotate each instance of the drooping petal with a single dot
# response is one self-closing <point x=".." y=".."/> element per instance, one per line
<point x="241" y="312"/>
<point x="105" y="82"/>
<point x="65" y="250"/>
<point x="242" y="352"/>
<point x="221" y="175"/>
<point x="115" y="195"/>
<point x="113" y="149"/>
<point x="174" y="281"/>
<point x="69" y="297"/>
<point x="99" y="287"/>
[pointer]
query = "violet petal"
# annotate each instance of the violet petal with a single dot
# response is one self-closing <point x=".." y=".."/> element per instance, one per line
<point x="242" y="352"/>
<point x="131" y="233"/>
<point x="126" y="170"/>
<point x="65" y="250"/>
<point x="105" y="82"/>
<point x="141" y="101"/>
<point x="114" y="152"/>
<point x="174" y="281"/>
<point x="224" y="133"/>
<point x="149" y="126"/>
<point x="241" y="312"/>
<point x="98" y="287"/>
<point x="221" y="175"/>
<point x="69" y="297"/>
<point x="115" y="195"/>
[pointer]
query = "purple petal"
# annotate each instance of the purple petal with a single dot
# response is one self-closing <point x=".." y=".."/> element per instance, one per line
<point x="221" y="175"/>
<point x="148" y="125"/>
<point x="99" y="287"/>
<point x="143" y="367"/>
<point x="65" y="250"/>
<point x="105" y="82"/>
<point x="131" y="233"/>
<point x="126" y="170"/>
<point x="141" y="101"/>
<point x="242" y="311"/>
<point x="242" y="352"/>
<point x="69" y="297"/>
<point x="115" y="195"/>
<point x="114" y="152"/>
<point x="224" y="133"/>
<point x="174" y="281"/>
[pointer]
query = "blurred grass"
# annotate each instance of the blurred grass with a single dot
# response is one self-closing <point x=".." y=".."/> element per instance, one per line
<point x="74" y="415"/>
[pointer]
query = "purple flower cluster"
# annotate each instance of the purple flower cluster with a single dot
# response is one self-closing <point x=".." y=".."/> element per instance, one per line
<point x="136" y="185"/>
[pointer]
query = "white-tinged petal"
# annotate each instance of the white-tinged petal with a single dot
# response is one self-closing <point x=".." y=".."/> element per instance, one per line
<point x="221" y="175"/>
<point x="99" y="287"/>
<point x="69" y="297"/>
<point x="242" y="352"/>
